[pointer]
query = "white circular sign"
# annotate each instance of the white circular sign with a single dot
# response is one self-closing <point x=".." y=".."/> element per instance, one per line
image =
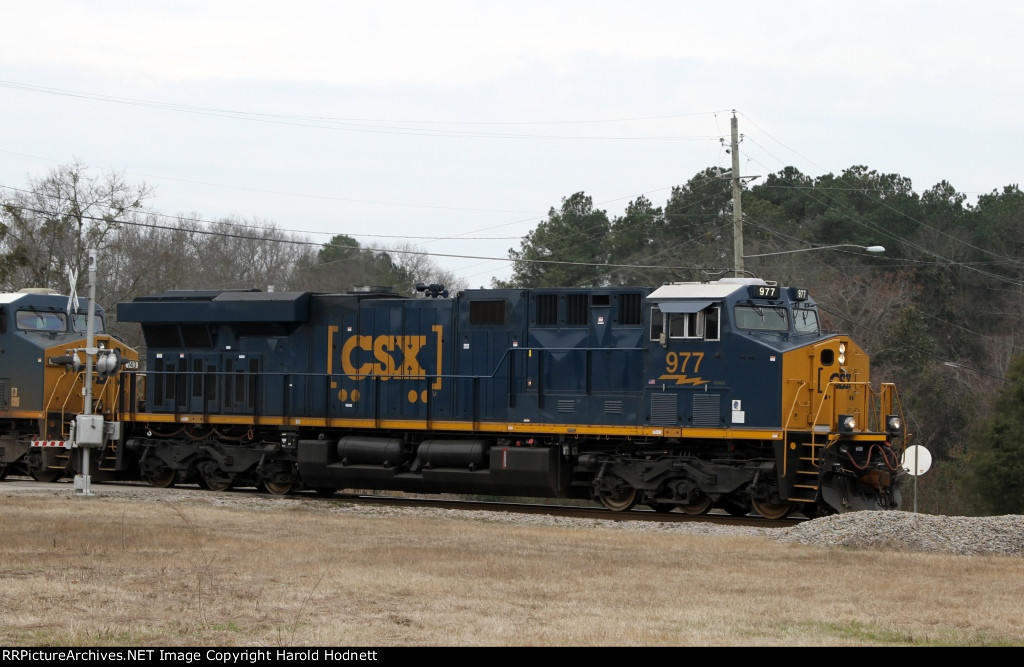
<point x="916" y="460"/>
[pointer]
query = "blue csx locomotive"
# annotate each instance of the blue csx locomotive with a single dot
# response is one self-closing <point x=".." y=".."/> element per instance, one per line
<point x="692" y="395"/>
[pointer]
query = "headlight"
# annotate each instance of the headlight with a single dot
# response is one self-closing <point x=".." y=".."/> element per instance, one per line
<point x="847" y="423"/>
<point x="842" y="353"/>
<point x="893" y="424"/>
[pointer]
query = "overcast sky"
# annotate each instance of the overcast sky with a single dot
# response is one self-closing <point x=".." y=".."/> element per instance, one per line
<point x="458" y="125"/>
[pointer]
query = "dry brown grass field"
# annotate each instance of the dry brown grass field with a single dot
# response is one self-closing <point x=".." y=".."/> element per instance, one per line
<point x="240" y="570"/>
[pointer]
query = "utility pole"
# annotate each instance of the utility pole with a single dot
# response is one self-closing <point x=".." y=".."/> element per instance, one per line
<point x="737" y="210"/>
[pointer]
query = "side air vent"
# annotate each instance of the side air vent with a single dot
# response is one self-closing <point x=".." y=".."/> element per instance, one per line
<point x="664" y="409"/>
<point x="707" y="410"/>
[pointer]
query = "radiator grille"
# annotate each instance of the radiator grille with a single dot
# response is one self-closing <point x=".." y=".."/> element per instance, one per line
<point x="707" y="410"/>
<point x="613" y="407"/>
<point x="664" y="409"/>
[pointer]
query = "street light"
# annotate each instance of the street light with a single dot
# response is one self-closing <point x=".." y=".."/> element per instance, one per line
<point x="869" y="248"/>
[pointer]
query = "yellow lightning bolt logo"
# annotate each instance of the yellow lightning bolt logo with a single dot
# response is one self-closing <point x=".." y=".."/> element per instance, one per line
<point x="683" y="379"/>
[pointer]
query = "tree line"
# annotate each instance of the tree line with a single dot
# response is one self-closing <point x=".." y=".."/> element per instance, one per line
<point x="939" y="311"/>
<point x="49" y="226"/>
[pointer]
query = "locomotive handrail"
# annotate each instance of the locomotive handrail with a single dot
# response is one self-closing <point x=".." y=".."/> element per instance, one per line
<point x="874" y="407"/>
<point x="64" y="409"/>
<point x="358" y="376"/>
<point x="509" y="350"/>
<point x="785" y="427"/>
<point x="63" y="406"/>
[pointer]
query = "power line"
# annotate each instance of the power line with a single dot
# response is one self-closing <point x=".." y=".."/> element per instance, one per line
<point x="132" y="223"/>
<point x="378" y="126"/>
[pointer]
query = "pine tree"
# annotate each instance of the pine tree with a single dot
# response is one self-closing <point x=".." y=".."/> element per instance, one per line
<point x="997" y="472"/>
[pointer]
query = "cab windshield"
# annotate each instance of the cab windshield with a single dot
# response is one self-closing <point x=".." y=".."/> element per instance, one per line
<point x="761" y="318"/>
<point x="55" y="321"/>
<point x="805" y="320"/>
<point x="81" y="322"/>
<point x="37" y="320"/>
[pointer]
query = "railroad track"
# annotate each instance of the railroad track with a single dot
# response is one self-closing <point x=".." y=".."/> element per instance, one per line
<point x="14" y="484"/>
<point x="567" y="511"/>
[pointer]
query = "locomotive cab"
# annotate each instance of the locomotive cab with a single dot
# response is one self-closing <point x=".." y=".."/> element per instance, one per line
<point x="747" y="359"/>
<point x="42" y="380"/>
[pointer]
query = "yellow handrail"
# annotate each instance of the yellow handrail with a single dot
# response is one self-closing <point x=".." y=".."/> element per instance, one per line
<point x="873" y="409"/>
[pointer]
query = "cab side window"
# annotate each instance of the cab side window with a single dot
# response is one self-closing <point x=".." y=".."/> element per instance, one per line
<point x="657" y="323"/>
<point x="711" y="319"/>
<point x="702" y="324"/>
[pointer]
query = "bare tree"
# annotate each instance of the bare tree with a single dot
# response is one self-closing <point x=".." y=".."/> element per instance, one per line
<point x="50" y="227"/>
<point x="421" y="268"/>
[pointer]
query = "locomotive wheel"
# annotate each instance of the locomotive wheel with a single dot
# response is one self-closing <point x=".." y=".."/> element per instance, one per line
<point x="217" y="483"/>
<point x="164" y="478"/>
<point x="772" y="510"/>
<point x="623" y="499"/>
<point x="213" y="478"/>
<point x="278" y="488"/>
<point x="702" y="506"/>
